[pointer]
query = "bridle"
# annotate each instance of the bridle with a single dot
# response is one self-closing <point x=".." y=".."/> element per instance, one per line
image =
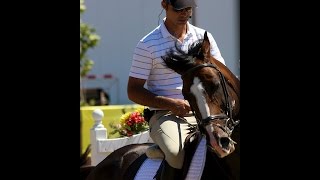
<point x="227" y="116"/>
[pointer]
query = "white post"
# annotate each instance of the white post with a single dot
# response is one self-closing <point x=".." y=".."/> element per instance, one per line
<point x="98" y="131"/>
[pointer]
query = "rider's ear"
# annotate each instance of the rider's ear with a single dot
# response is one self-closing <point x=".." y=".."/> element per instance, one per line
<point x="164" y="4"/>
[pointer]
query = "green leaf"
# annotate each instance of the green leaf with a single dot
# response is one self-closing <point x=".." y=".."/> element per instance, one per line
<point x="88" y="40"/>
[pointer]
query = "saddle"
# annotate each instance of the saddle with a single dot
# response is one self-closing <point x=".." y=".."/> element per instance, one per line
<point x="151" y="163"/>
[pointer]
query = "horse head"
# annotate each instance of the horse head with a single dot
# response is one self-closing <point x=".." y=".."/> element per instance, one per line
<point x="213" y="92"/>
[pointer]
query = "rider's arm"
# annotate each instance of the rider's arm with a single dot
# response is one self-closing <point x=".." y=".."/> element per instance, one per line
<point x="138" y="94"/>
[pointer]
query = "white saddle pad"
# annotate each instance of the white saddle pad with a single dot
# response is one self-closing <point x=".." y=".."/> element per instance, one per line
<point x="150" y="166"/>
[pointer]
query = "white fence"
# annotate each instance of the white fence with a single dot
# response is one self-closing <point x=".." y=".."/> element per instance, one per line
<point x="101" y="146"/>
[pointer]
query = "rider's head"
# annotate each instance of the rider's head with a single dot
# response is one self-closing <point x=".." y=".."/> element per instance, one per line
<point x="178" y="4"/>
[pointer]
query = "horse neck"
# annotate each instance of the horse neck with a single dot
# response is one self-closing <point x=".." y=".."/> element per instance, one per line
<point x="232" y="80"/>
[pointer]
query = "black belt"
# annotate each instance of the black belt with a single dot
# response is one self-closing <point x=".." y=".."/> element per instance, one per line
<point x="149" y="113"/>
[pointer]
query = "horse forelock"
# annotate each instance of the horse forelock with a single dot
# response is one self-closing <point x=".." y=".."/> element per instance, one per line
<point x="195" y="50"/>
<point x="176" y="62"/>
<point x="182" y="61"/>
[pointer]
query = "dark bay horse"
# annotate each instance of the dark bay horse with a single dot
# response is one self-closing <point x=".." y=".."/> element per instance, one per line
<point x="213" y="92"/>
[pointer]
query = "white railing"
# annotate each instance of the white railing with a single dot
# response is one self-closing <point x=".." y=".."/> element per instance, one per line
<point x="101" y="146"/>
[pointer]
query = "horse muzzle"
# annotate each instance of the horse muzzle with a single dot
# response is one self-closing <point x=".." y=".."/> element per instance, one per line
<point x="219" y="141"/>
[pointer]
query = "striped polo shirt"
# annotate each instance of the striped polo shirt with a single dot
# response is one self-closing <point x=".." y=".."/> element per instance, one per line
<point x="147" y="62"/>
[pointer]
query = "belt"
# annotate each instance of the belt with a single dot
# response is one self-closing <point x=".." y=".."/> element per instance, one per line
<point x="153" y="112"/>
<point x="149" y="113"/>
<point x="156" y="111"/>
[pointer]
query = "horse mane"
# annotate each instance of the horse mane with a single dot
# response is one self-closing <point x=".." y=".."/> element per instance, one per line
<point x="183" y="60"/>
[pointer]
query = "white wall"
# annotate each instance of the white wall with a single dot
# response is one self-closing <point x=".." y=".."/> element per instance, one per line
<point x="122" y="23"/>
<point x="222" y="19"/>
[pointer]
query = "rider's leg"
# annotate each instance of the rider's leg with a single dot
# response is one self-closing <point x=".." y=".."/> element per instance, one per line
<point x="169" y="132"/>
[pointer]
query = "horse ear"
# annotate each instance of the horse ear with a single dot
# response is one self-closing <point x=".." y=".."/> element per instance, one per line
<point x="206" y="48"/>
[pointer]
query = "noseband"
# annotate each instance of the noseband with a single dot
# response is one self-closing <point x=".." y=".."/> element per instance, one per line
<point x="228" y="111"/>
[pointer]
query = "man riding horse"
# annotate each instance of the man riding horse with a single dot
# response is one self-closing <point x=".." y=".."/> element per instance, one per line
<point x="171" y="120"/>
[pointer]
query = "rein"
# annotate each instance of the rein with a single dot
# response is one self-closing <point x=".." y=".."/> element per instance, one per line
<point x="228" y="109"/>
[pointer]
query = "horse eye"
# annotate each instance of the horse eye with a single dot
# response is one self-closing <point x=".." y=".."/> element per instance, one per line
<point x="211" y="88"/>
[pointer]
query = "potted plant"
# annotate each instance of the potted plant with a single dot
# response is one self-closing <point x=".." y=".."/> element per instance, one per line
<point x="130" y="123"/>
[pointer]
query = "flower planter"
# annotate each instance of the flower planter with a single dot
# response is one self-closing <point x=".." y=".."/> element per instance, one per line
<point x="109" y="145"/>
<point x="101" y="146"/>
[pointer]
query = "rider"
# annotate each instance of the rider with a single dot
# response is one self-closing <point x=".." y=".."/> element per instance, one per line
<point x="162" y="92"/>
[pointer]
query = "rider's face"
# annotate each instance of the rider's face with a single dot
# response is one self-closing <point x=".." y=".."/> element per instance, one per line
<point x="179" y="17"/>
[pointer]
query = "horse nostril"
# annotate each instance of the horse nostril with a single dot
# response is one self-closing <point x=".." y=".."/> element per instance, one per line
<point x="224" y="141"/>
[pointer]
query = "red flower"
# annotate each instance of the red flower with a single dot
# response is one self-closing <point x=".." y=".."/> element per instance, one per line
<point x="131" y="123"/>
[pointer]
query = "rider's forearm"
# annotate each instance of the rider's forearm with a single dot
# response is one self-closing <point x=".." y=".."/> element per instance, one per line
<point x="144" y="97"/>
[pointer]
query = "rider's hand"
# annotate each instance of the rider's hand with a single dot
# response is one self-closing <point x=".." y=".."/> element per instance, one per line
<point x="180" y="107"/>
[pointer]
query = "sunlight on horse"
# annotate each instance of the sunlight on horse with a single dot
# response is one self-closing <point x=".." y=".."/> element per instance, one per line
<point x="213" y="92"/>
